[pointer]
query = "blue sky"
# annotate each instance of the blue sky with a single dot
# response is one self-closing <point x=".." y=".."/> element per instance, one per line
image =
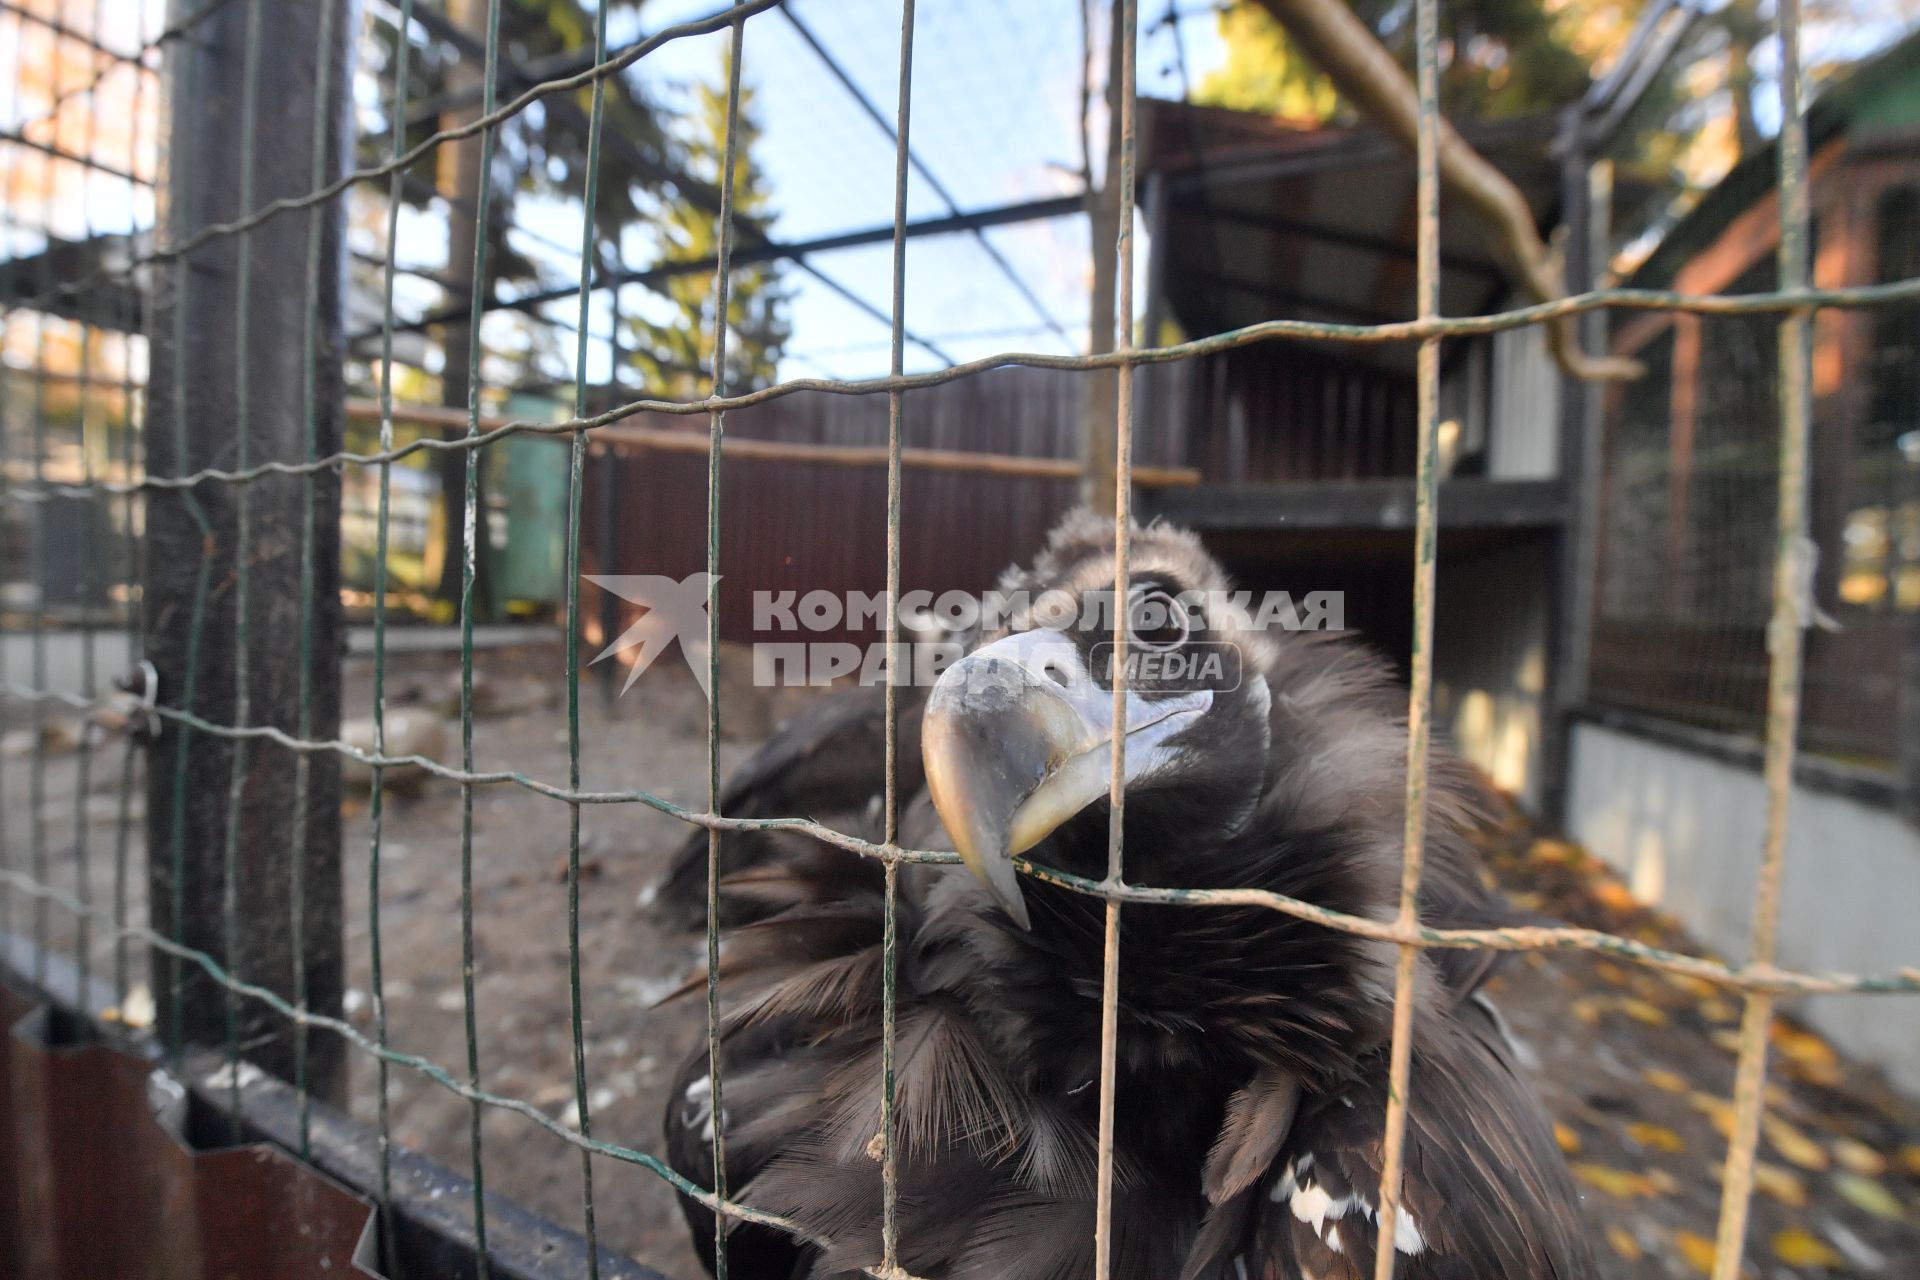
<point x="995" y="117"/>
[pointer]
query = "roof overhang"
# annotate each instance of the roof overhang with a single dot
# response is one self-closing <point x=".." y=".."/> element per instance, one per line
<point x="1259" y="218"/>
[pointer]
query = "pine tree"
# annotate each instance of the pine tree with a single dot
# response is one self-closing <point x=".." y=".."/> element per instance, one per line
<point x="673" y="343"/>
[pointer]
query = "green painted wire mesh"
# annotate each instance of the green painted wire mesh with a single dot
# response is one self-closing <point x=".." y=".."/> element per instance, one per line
<point x="73" y="411"/>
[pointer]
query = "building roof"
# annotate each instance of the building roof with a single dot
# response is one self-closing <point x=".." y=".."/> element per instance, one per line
<point x="1879" y="96"/>
<point x="1268" y="218"/>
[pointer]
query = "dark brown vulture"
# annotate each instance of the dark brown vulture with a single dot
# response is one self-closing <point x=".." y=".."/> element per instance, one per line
<point x="827" y="759"/>
<point x="1252" y="1058"/>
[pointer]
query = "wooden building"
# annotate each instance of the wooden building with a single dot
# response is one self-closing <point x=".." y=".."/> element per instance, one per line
<point x="1306" y="449"/>
<point x="1664" y="761"/>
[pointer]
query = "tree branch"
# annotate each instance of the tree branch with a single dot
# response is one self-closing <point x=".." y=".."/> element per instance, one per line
<point x="1367" y="76"/>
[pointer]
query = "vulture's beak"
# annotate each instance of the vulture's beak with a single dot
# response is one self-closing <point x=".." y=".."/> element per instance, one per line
<point x="1017" y="739"/>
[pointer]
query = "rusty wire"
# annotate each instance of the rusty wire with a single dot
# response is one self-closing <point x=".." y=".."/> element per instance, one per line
<point x="1758" y="979"/>
<point x="1125" y="29"/>
<point x="1785" y="649"/>
<point x="1420" y="694"/>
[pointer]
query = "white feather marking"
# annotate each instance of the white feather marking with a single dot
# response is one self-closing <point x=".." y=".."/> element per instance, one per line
<point x="1333" y="1239"/>
<point x="1284" y="1185"/>
<point x="1406" y="1234"/>
<point x="1312" y="1204"/>
<point x="696" y="1107"/>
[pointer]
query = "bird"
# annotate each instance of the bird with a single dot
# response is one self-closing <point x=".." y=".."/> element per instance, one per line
<point x="827" y="759"/>
<point x="1252" y="1047"/>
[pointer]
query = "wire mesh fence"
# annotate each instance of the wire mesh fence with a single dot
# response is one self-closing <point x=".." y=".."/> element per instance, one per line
<point x="174" y="458"/>
<point x="1693" y="470"/>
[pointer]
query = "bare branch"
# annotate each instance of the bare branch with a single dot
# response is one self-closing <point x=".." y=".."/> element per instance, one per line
<point x="1367" y="76"/>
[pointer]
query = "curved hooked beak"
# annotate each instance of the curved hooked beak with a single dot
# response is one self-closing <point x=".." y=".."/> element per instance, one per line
<point x="1017" y="739"/>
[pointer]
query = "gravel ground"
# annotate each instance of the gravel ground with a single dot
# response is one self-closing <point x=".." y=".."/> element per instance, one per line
<point x="1635" y="1066"/>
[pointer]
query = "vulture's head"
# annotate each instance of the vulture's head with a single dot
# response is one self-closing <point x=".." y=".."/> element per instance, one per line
<point x="1018" y="735"/>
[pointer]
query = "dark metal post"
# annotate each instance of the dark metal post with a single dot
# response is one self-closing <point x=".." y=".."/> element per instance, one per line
<point x="1909" y="724"/>
<point x="192" y="548"/>
<point x="1586" y="196"/>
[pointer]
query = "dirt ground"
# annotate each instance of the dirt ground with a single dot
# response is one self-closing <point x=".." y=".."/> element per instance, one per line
<point x="653" y="738"/>
<point x="1636" y="1067"/>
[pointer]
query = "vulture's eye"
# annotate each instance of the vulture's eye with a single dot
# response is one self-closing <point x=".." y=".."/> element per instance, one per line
<point x="1158" y="621"/>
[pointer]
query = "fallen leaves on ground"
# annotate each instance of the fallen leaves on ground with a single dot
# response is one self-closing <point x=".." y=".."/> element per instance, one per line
<point x="1637" y="1067"/>
<point x="1868" y="1195"/>
<point x="1782" y="1184"/>
<point x="1624" y="1244"/>
<point x="1697" y="1250"/>
<point x="1657" y="1136"/>
<point x="1798" y="1247"/>
<point x="1794" y="1146"/>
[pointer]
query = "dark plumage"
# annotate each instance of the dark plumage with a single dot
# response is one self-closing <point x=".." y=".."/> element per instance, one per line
<point x="1252" y="1046"/>
<point x="828" y="760"/>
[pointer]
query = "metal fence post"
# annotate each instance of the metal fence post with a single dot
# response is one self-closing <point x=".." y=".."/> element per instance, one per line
<point x="1909" y="673"/>
<point x="1586" y="195"/>
<point x="208" y="348"/>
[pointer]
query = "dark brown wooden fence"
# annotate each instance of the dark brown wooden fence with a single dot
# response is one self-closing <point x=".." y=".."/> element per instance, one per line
<point x="805" y="526"/>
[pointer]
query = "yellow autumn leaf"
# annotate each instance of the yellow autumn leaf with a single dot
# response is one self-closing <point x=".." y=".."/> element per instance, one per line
<point x="1727" y="1038"/>
<point x="1807" y="1054"/>
<point x="1697" y="1250"/>
<point x="1622" y="1184"/>
<point x="1657" y="1136"/>
<point x="1910" y="1158"/>
<point x="1555" y="851"/>
<point x="1793" y="1145"/>
<point x="1867" y="1195"/>
<point x="1781" y="1183"/>
<point x="1624" y="1244"/>
<point x="1569" y="1140"/>
<point x="1662" y="1182"/>
<point x="1665" y="1081"/>
<point x="1587" y="1010"/>
<point x="1798" y="1247"/>
<point x="1698" y="988"/>
<point x="1640" y="1011"/>
<point x="1613" y="894"/>
<point x="1611" y="972"/>
<point x="1717" y="1110"/>
<point x="1714" y="1009"/>
<point x="1857" y="1157"/>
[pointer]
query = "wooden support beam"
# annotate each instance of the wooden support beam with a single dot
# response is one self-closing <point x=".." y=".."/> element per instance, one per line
<point x="1467" y="503"/>
<point x="741" y="448"/>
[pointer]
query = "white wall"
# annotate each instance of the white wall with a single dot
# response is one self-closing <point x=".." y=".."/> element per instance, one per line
<point x="1685" y="830"/>
<point x="65" y="661"/>
<point x="1525" y="435"/>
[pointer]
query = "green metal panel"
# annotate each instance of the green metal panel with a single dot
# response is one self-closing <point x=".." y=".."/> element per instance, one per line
<point x="533" y="481"/>
<point x="1894" y="106"/>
